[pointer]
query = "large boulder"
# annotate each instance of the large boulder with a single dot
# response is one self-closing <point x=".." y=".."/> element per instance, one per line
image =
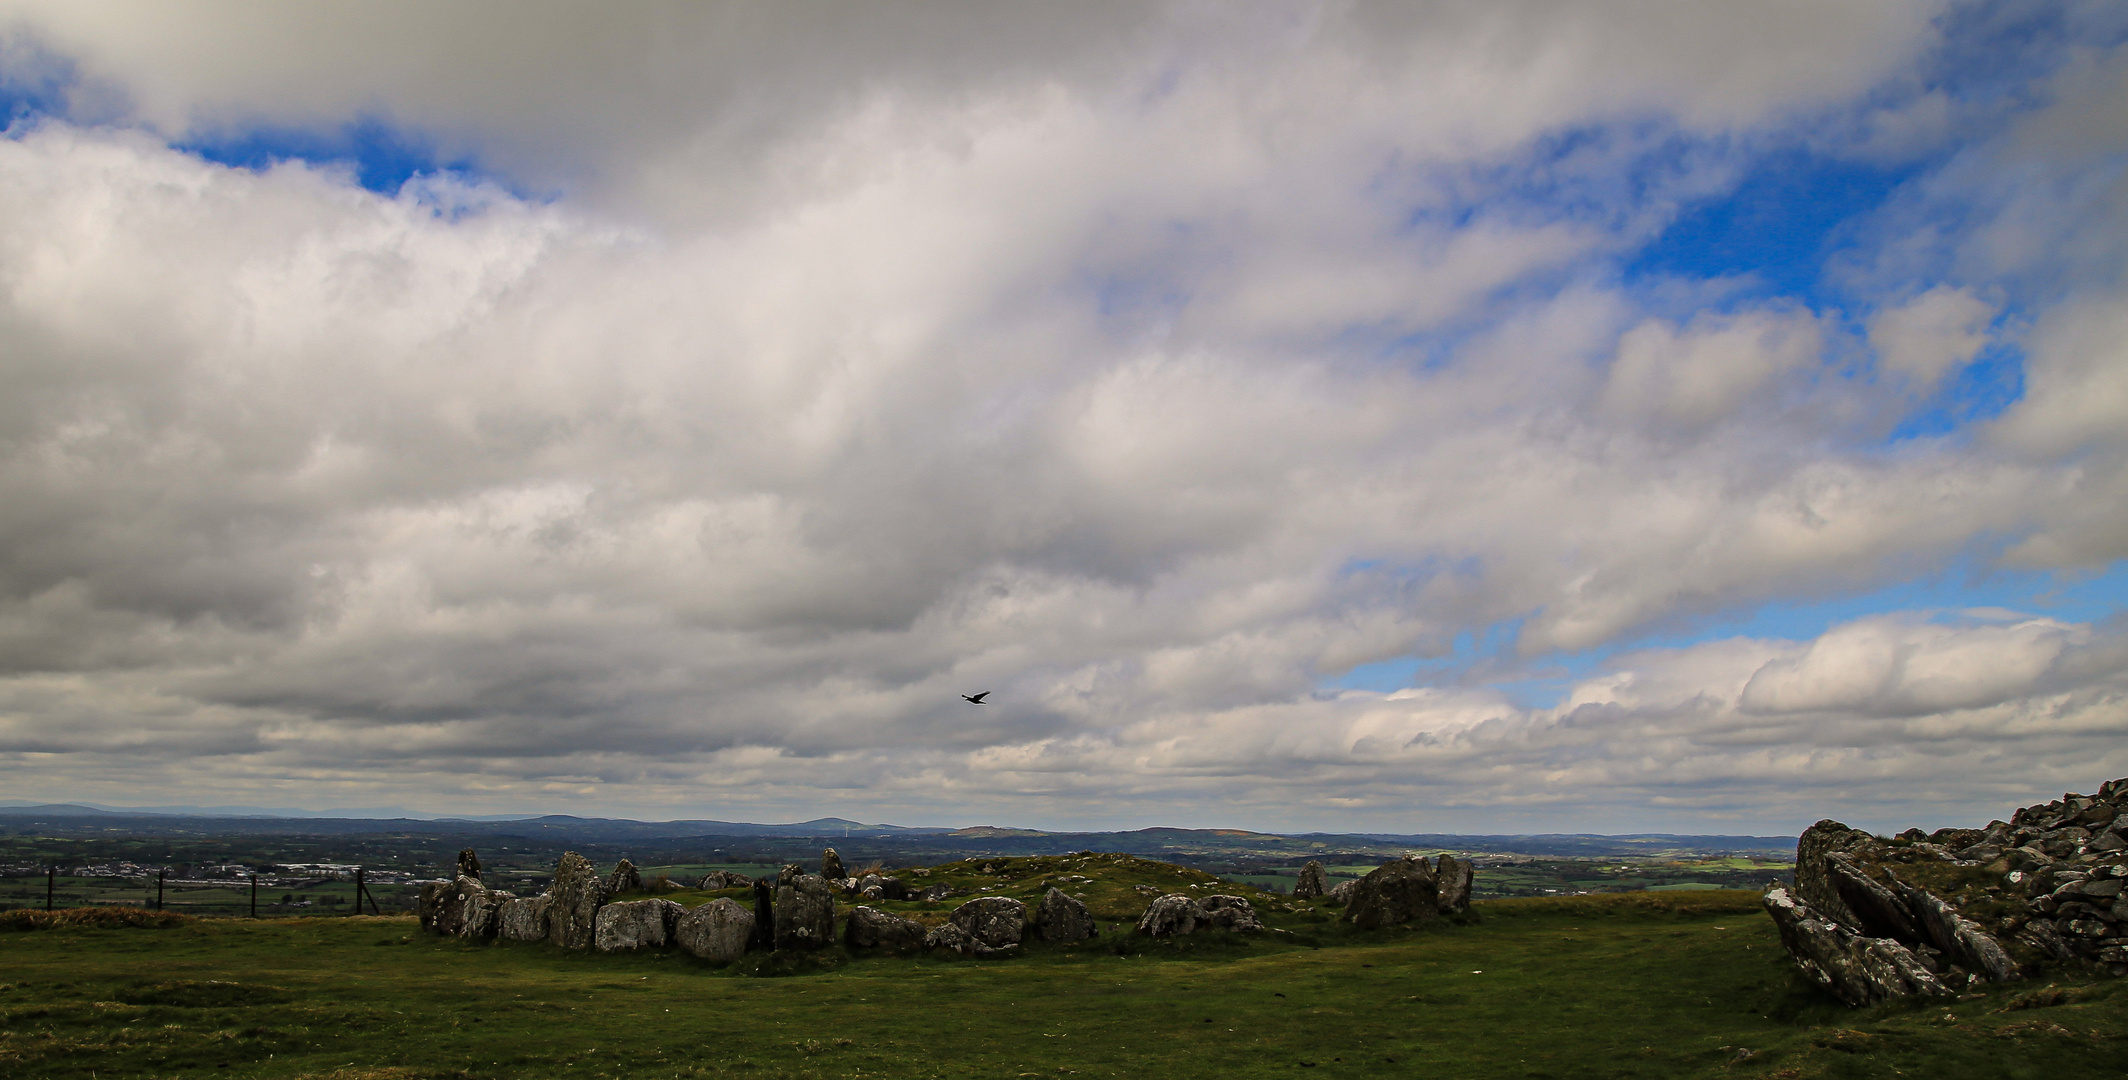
<point x="718" y="931"/>
<point x="1452" y="881"/>
<point x="831" y="866"/>
<point x="1230" y="913"/>
<point x="805" y="910"/>
<point x="1172" y="915"/>
<point x="1813" y="875"/>
<point x="522" y="918"/>
<point x="625" y="879"/>
<point x="483" y="913"/>
<point x="1312" y="883"/>
<point x="1858" y="970"/>
<point x="724" y="879"/>
<point x="573" y="901"/>
<point x="455" y="908"/>
<point x="1342" y="892"/>
<point x="870" y="928"/>
<point x="636" y="924"/>
<point x="1061" y="918"/>
<point x="993" y="921"/>
<point x="1395" y="893"/>
<point x="947" y="937"/>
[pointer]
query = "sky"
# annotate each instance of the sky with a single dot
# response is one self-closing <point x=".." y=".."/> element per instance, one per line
<point x="1474" y="417"/>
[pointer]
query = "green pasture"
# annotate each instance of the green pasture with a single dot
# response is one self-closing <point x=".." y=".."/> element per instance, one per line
<point x="1676" y="984"/>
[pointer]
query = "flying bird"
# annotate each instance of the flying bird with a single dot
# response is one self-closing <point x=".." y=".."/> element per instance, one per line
<point x="977" y="699"/>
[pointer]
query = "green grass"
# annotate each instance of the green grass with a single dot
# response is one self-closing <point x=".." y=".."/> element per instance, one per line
<point x="1621" y="985"/>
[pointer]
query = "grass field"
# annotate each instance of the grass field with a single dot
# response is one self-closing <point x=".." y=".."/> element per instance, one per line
<point x="1631" y="985"/>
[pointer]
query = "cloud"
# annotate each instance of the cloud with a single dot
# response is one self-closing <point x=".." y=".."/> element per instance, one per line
<point x="1146" y="367"/>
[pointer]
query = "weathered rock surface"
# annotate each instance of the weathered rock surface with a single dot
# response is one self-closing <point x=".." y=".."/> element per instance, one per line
<point x="636" y="924"/>
<point x="522" y="919"/>
<point x="724" y="879"/>
<point x="483" y="912"/>
<point x="1395" y="893"/>
<point x="1858" y="970"/>
<point x="573" y="901"/>
<point x="456" y="908"/>
<point x="831" y="866"/>
<point x="1061" y="918"/>
<point x="718" y="931"/>
<point x="1172" y="915"/>
<point x="950" y="938"/>
<point x="624" y="879"/>
<point x="1452" y="881"/>
<point x="887" y="888"/>
<point x="1230" y="913"/>
<point x="1341" y="893"/>
<point x="1312" y="883"/>
<point x="1813" y="878"/>
<point x="468" y="864"/>
<point x="870" y="928"/>
<point x="805" y="910"/>
<point x="993" y="921"/>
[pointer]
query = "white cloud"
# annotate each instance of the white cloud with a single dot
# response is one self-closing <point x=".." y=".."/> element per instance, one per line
<point x="1930" y="336"/>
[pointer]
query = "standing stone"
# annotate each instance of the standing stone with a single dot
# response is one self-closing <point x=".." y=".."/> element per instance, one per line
<point x="718" y="931"/>
<point x="1395" y="893"/>
<point x="469" y="864"/>
<point x="455" y="908"/>
<point x="831" y="866"/>
<point x="869" y="928"/>
<point x="764" y="915"/>
<point x="1312" y="883"/>
<point x="993" y="921"/>
<point x="723" y="879"/>
<point x="1453" y="878"/>
<point x="522" y="919"/>
<point x="1061" y="918"/>
<point x="805" y="910"/>
<point x="573" y="901"/>
<point x="1813" y="880"/>
<point x="636" y="924"/>
<point x="1231" y="913"/>
<point x="1858" y="970"/>
<point x="624" y="879"/>
<point x="1341" y="893"/>
<point x="483" y="912"/>
<point x="1172" y="915"/>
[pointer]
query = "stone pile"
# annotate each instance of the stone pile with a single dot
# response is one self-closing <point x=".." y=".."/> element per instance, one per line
<point x="1873" y="918"/>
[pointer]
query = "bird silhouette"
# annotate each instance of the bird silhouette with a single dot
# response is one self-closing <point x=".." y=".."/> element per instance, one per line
<point x="977" y="699"/>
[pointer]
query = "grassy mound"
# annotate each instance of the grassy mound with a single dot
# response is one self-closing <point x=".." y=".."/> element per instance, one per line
<point x="101" y="917"/>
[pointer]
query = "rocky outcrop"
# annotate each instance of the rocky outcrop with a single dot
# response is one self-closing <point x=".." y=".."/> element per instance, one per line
<point x="724" y="879"/>
<point x="1858" y="970"/>
<point x="522" y="919"/>
<point x="718" y="931"/>
<point x="995" y="922"/>
<point x="1452" y="881"/>
<point x="624" y="879"/>
<point x="1970" y="905"/>
<point x="1395" y="893"/>
<point x="468" y="864"/>
<point x="831" y="866"/>
<point x="573" y="901"/>
<point x="636" y="924"/>
<point x="1061" y="918"/>
<point x="1341" y="893"/>
<point x="869" y="928"/>
<point x="1230" y="913"/>
<point x="1172" y="915"/>
<point x="1312" y="883"/>
<point x="805" y="910"/>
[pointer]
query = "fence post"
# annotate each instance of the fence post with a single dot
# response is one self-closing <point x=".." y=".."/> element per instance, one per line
<point x="51" y="882"/>
<point x="254" y="894"/>
<point x="358" y="890"/>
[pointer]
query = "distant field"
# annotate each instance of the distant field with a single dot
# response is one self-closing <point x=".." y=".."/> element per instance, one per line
<point x="1627" y="985"/>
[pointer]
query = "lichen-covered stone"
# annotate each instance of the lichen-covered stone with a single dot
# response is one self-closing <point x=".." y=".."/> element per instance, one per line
<point x="455" y="908"/>
<point x="573" y="901"/>
<point x="718" y="931"/>
<point x="831" y="866"/>
<point x="805" y="910"/>
<point x="1858" y="970"/>
<point x="1230" y="913"/>
<point x="868" y="928"/>
<point x="993" y="921"/>
<point x="624" y="879"/>
<point x="1311" y="883"/>
<point x="1452" y="882"/>
<point x="1396" y="892"/>
<point x="522" y="919"/>
<point x="1061" y="918"/>
<point x="947" y="937"/>
<point x="483" y="913"/>
<point x="1341" y="893"/>
<point x="1173" y="915"/>
<point x="636" y="924"/>
<point x="1813" y="880"/>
